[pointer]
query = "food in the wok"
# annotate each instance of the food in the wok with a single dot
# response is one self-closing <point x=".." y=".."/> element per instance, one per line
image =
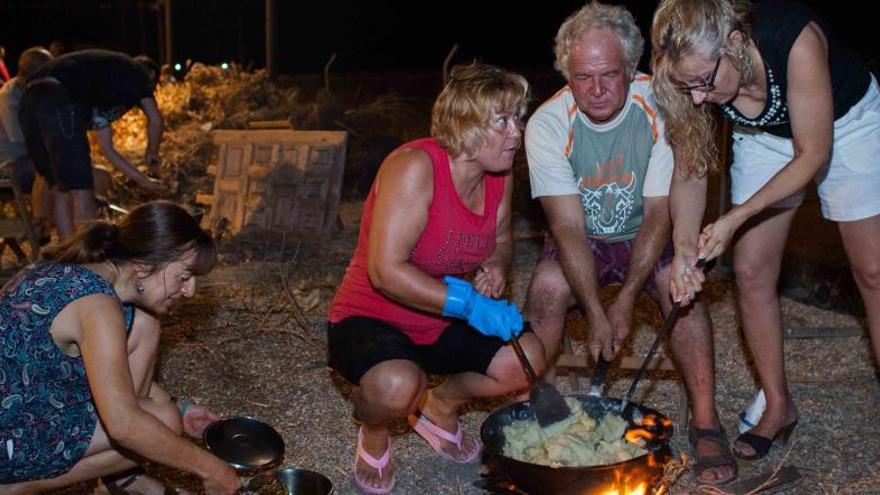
<point x="577" y="441"/>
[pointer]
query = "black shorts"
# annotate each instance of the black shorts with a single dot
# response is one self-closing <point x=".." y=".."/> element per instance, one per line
<point x="54" y="129"/>
<point x="356" y="344"/>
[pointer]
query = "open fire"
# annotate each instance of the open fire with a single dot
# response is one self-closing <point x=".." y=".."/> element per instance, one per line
<point x="650" y="429"/>
<point x="640" y="489"/>
<point x="629" y="482"/>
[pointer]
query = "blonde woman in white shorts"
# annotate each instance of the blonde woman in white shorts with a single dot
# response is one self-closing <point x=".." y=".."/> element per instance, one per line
<point x="805" y="109"/>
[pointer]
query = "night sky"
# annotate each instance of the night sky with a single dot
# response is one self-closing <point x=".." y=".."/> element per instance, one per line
<point x="367" y="35"/>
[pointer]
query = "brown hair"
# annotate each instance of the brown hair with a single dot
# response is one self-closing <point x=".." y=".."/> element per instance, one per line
<point x="31" y="60"/>
<point x="683" y="28"/>
<point x="155" y="233"/>
<point x="460" y="118"/>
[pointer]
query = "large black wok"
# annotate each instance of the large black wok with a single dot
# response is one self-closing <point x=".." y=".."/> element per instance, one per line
<point x="537" y="479"/>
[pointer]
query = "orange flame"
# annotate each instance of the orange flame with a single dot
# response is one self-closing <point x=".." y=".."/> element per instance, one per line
<point x="626" y="484"/>
<point x="652" y="419"/>
<point x="640" y="489"/>
<point x="636" y="435"/>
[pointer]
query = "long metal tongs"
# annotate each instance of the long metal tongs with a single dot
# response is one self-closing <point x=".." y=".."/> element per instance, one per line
<point x="670" y="321"/>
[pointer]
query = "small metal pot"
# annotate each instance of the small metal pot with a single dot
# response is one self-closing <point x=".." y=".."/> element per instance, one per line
<point x="290" y="481"/>
<point x="537" y="479"/>
<point x="245" y="443"/>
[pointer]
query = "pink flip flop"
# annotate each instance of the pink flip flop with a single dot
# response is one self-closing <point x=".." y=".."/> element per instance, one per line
<point x="433" y="434"/>
<point x="374" y="463"/>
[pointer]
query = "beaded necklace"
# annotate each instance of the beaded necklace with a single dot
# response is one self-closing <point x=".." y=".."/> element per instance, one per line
<point x="775" y="112"/>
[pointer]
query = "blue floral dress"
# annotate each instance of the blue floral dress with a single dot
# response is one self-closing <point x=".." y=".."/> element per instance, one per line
<point x="47" y="416"/>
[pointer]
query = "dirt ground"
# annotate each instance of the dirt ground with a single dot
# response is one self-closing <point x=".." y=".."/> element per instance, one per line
<point x="243" y="348"/>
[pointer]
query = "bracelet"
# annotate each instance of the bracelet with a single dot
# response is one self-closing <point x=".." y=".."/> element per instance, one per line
<point x="183" y="405"/>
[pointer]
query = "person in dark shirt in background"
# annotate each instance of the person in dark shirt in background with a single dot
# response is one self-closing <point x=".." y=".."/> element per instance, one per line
<point x="75" y="93"/>
<point x="4" y="73"/>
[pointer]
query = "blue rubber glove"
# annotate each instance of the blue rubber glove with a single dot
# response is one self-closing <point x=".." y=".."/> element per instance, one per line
<point x="494" y="318"/>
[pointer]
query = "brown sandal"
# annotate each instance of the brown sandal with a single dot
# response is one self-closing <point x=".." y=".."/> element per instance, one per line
<point x="704" y="462"/>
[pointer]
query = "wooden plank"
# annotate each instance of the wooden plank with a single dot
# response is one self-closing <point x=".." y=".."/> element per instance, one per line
<point x="659" y="363"/>
<point x="823" y="332"/>
<point x="331" y="138"/>
<point x="569" y="360"/>
<point x="270" y="124"/>
<point x="11" y="227"/>
<point x="787" y="478"/>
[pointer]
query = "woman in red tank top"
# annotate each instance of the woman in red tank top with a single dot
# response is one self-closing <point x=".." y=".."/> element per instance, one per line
<point x="439" y="207"/>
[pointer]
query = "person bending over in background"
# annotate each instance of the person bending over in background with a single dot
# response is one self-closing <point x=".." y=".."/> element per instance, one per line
<point x="67" y="97"/>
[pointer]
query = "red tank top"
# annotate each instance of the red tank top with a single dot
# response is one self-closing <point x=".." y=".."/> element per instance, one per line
<point x="455" y="241"/>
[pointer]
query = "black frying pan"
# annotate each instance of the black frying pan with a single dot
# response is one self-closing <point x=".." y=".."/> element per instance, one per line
<point x="537" y="479"/>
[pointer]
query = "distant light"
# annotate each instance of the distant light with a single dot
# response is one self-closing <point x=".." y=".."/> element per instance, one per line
<point x="224" y="66"/>
<point x="177" y="66"/>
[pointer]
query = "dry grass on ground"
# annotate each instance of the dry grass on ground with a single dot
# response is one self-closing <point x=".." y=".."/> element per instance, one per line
<point x="239" y="348"/>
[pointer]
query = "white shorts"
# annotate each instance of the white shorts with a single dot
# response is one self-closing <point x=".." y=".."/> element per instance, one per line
<point x="849" y="186"/>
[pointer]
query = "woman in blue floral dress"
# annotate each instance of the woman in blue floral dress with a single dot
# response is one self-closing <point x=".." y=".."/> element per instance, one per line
<point x="78" y="341"/>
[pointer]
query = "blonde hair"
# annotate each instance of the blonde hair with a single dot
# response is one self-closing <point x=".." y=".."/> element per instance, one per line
<point x="595" y="15"/>
<point x="696" y="27"/>
<point x="460" y="119"/>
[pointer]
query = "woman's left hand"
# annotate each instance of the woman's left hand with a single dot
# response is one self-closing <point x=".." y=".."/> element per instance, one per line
<point x="685" y="279"/>
<point x="716" y="236"/>
<point x="490" y="280"/>
<point x="196" y="419"/>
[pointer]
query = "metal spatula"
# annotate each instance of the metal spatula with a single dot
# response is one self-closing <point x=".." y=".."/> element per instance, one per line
<point x="545" y="399"/>
<point x="598" y="381"/>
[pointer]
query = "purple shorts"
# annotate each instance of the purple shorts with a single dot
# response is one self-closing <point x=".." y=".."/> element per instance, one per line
<point x="612" y="261"/>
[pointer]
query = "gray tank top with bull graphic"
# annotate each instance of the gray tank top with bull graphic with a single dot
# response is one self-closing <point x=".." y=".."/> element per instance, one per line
<point x="610" y="169"/>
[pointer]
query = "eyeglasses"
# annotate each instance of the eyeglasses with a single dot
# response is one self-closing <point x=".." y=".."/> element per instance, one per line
<point x="706" y="86"/>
